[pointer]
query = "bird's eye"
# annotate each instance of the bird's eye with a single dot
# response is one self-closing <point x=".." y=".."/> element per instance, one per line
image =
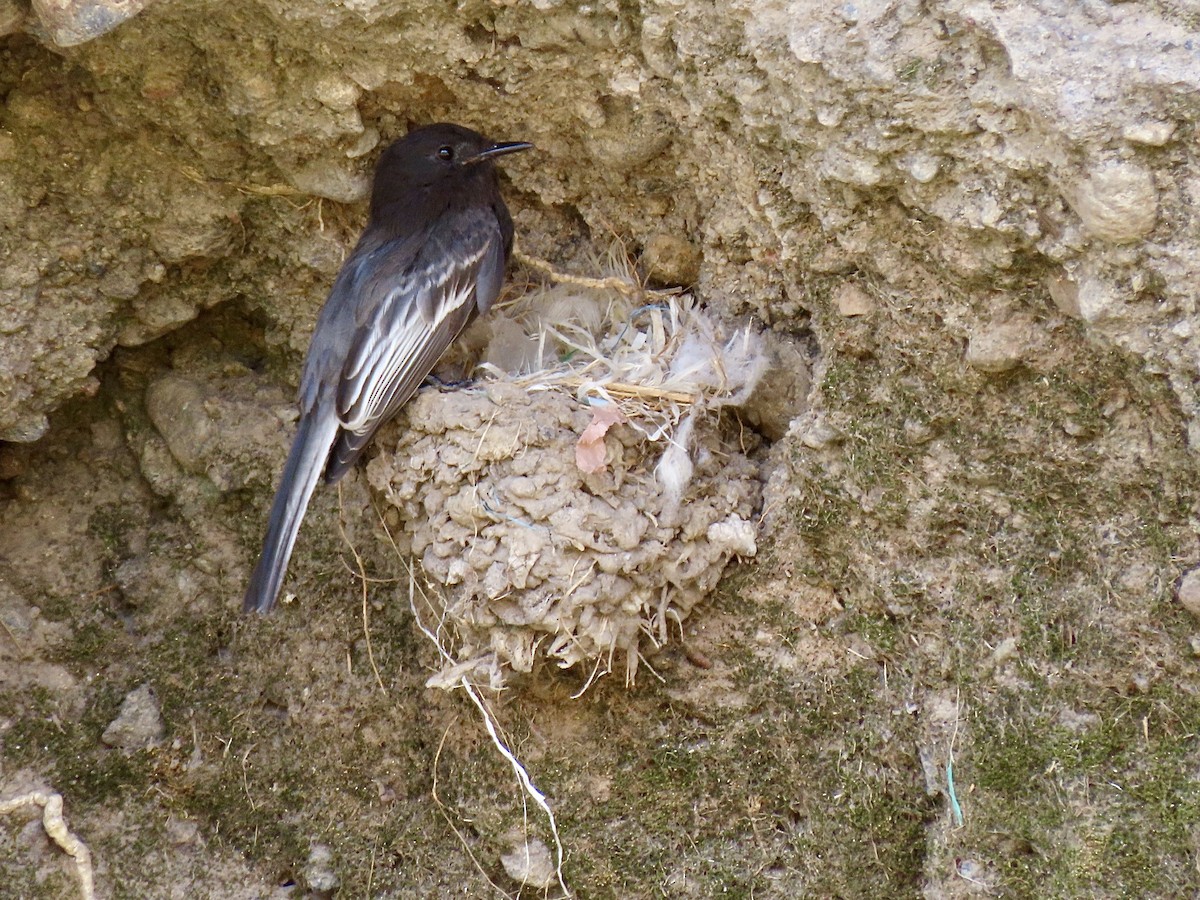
<point x="446" y="153"/>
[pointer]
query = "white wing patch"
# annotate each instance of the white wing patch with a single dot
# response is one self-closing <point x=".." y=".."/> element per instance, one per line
<point x="393" y="361"/>
<point x="412" y="327"/>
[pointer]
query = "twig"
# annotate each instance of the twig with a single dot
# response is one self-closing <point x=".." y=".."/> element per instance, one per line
<point x="56" y="829"/>
<point x="639" y="391"/>
<point x="612" y="283"/>
<point x="246" y="779"/>
<point x="263" y="190"/>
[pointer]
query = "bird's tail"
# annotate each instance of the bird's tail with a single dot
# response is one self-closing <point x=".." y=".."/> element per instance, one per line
<point x="303" y="469"/>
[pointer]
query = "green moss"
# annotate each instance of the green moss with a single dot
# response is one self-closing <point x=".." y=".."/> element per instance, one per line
<point x="44" y="736"/>
<point x="911" y="69"/>
<point x="1112" y="788"/>
<point x="954" y="511"/>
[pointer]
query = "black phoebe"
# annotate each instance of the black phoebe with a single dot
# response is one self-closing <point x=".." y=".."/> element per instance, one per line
<point x="432" y="258"/>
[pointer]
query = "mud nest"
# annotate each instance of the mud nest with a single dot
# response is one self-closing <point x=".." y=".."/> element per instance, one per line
<point x="578" y="501"/>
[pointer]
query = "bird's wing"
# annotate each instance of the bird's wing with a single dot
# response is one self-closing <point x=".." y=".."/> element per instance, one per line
<point x="422" y="307"/>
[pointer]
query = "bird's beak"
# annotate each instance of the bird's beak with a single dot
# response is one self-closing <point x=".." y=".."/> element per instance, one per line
<point x="500" y="149"/>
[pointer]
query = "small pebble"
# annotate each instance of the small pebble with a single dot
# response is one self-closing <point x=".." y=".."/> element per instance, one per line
<point x="851" y="301"/>
<point x="673" y="260"/>
<point x="1064" y="291"/>
<point x="1117" y="202"/>
<point x="325" y="178"/>
<point x="138" y="724"/>
<point x="1188" y="592"/>
<point x="818" y="435"/>
<point x="1150" y="134"/>
<point x="923" y="167"/>
<point x="72" y="22"/>
<point x="530" y="864"/>
<point x="336" y="92"/>
<point x="1099" y="299"/>
<point x="318" y="871"/>
<point x="997" y="348"/>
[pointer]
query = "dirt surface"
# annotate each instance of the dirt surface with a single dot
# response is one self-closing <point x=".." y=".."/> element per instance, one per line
<point x="957" y="666"/>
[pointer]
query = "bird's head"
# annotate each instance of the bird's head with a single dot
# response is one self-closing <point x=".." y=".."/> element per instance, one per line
<point x="437" y="154"/>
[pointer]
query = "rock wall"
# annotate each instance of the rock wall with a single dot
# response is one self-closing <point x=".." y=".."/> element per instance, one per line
<point x="977" y="220"/>
<point x="1042" y="150"/>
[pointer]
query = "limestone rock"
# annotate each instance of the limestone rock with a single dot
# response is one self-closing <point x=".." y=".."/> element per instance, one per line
<point x="1188" y="592"/>
<point x="1117" y="202"/>
<point x="998" y="347"/>
<point x="138" y="724"/>
<point x="671" y="259"/>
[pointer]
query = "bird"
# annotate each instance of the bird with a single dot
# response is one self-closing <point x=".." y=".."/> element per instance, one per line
<point x="430" y="260"/>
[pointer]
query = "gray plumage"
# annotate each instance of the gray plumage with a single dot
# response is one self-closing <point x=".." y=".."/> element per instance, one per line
<point x="431" y="258"/>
